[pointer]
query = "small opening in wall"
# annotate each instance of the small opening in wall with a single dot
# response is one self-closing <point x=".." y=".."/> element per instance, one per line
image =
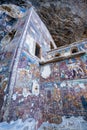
<point x="38" y="50"/>
<point x="74" y="50"/>
<point x="51" y="46"/>
<point x="0" y="79"/>
<point x="8" y="38"/>
<point x="36" y="88"/>
<point x="12" y="33"/>
<point x="57" y="54"/>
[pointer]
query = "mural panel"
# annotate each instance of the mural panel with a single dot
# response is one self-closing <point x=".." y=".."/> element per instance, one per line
<point x="74" y="93"/>
<point x="72" y="69"/>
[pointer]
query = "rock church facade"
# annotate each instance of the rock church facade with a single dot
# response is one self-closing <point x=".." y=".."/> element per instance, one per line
<point x="39" y="80"/>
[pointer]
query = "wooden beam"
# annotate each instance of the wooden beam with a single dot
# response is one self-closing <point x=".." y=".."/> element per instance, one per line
<point x="60" y="58"/>
<point x="52" y="50"/>
<point x="66" y="46"/>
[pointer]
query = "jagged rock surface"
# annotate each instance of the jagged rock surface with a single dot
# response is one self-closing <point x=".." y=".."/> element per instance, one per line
<point x="65" y="19"/>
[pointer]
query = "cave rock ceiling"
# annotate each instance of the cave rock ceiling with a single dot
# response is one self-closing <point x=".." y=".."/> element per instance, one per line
<point x="65" y="19"/>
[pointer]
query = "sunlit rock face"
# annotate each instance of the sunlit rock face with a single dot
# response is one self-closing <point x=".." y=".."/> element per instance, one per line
<point x="65" y="19"/>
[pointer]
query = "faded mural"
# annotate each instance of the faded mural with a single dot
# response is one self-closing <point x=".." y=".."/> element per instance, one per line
<point x="47" y="93"/>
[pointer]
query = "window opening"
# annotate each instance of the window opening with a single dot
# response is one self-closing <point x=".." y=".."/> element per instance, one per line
<point x="57" y="54"/>
<point x="74" y="50"/>
<point x="38" y="51"/>
<point x="51" y="46"/>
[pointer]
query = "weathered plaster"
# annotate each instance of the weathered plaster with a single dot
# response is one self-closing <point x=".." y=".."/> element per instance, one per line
<point x="48" y="92"/>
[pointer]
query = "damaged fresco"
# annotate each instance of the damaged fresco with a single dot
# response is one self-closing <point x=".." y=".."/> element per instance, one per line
<point x="50" y="93"/>
<point x="9" y="36"/>
<point x="72" y="69"/>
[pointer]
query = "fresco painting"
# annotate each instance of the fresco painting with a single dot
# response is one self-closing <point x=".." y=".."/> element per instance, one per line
<point x="72" y="69"/>
<point x="50" y="73"/>
<point x="72" y="94"/>
<point x="50" y="93"/>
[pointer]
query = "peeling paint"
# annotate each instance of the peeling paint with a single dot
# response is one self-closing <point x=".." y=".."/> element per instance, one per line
<point x="35" y="88"/>
<point x="45" y="71"/>
<point x="25" y="92"/>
